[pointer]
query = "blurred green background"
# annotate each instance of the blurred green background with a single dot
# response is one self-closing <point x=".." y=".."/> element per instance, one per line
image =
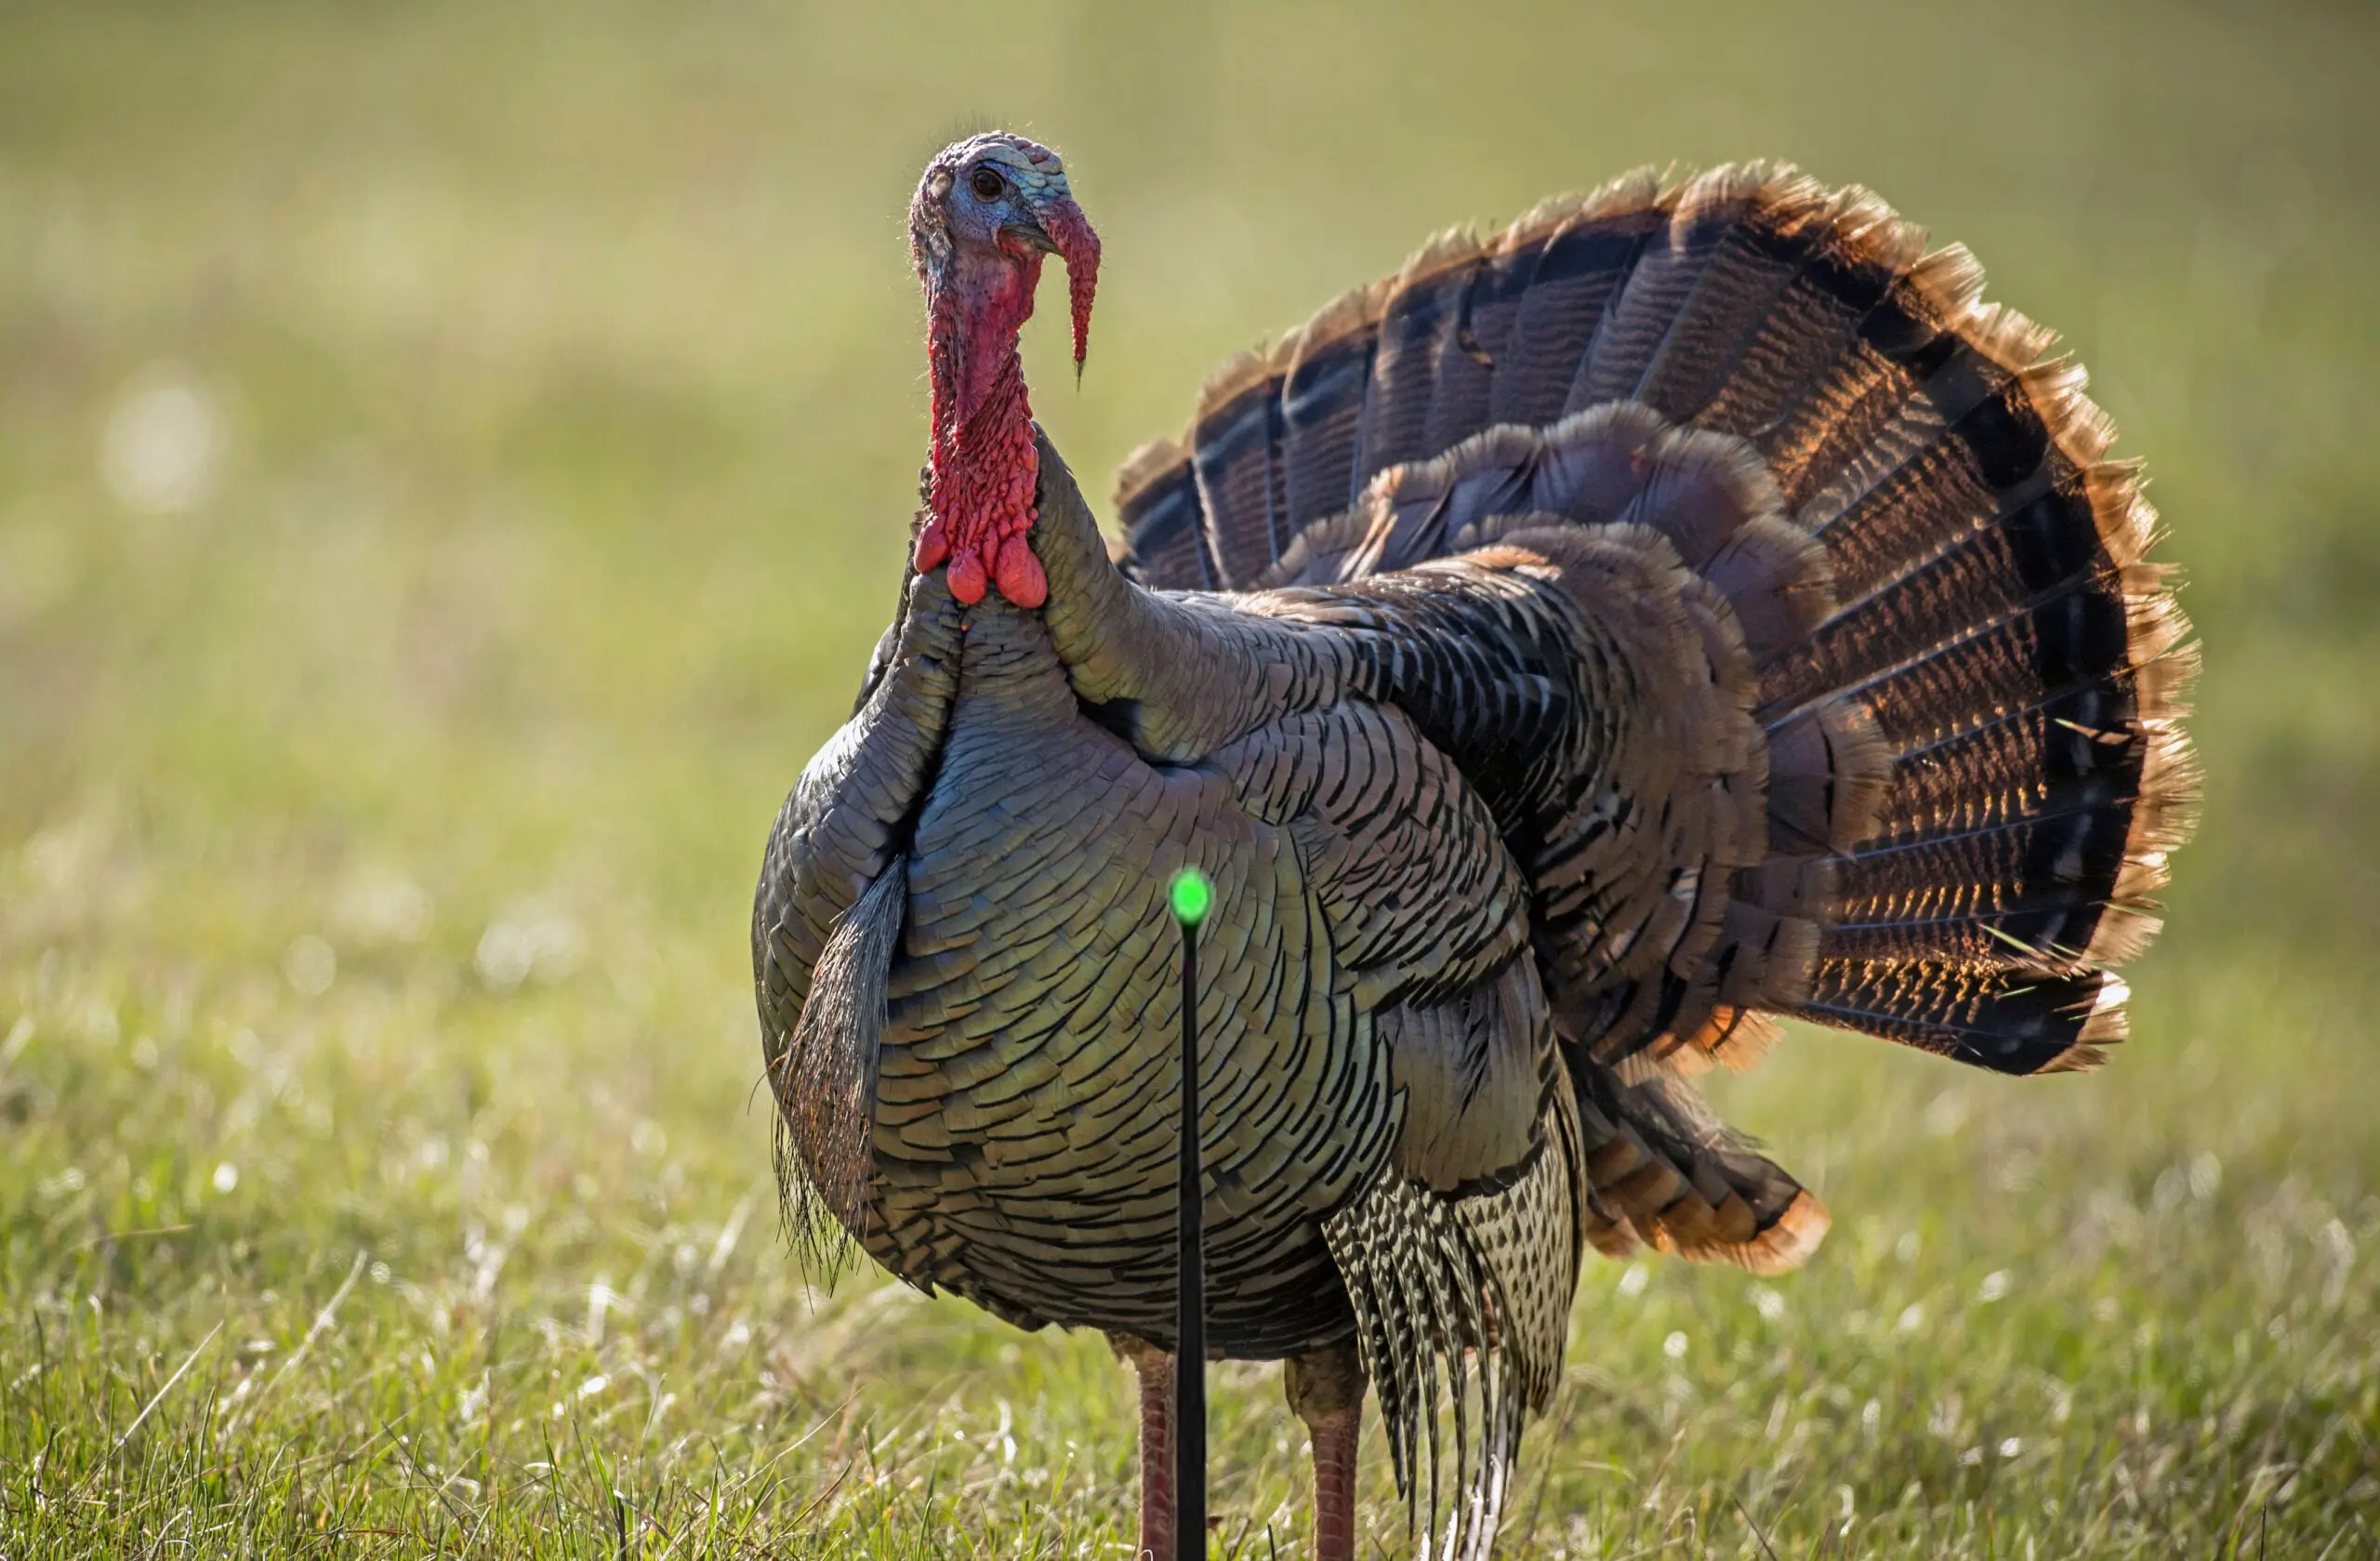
<point x="455" y="460"/>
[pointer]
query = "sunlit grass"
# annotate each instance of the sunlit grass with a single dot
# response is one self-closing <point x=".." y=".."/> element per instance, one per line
<point x="451" y="470"/>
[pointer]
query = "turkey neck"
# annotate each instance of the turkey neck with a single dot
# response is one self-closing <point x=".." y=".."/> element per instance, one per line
<point x="983" y="464"/>
<point x="1176" y="676"/>
<point x="1175" y="673"/>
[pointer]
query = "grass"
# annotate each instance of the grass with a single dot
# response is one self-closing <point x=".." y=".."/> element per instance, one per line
<point x="453" y="464"/>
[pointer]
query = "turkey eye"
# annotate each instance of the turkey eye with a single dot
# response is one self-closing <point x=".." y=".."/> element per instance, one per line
<point x="987" y="184"/>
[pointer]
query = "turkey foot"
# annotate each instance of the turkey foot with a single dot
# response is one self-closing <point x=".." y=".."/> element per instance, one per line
<point x="1325" y="1389"/>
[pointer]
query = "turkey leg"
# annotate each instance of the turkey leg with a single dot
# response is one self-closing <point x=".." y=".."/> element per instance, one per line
<point x="1325" y="1389"/>
<point x="1154" y="1369"/>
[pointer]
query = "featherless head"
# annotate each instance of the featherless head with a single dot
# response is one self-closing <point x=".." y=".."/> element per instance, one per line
<point x="1001" y="195"/>
<point x="986" y="211"/>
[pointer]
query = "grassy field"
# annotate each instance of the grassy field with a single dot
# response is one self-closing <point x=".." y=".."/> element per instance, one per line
<point x="453" y="466"/>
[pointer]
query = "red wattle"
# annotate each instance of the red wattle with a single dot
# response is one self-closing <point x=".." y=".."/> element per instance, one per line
<point x="1019" y="574"/>
<point x="983" y="466"/>
<point x="934" y="545"/>
<point x="967" y="576"/>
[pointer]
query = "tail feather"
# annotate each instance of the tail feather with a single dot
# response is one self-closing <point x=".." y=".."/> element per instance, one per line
<point x="1929" y="356"/>
<point x="1463" y="400"/>
<point x="1660" y="1171"/>
<point x="1168" y="537"/>
<point x="1419" y="325"/>
<point x="1858" y="250"/>
<point x="1690" y="306"/>
<point x="1884" y="520"/>
<point x="1585" y="250"/>
<point x="2042" y="756"/>
<point x="1237" y="443"/>
<point x="1859" y="416"/>
<point x="1979" y="1016"/>
<point x="2011" y="896"/>
<point x="1324" y="370"/>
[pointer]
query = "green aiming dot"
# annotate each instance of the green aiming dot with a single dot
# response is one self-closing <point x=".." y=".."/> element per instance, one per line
<point x="1193" y="896"/>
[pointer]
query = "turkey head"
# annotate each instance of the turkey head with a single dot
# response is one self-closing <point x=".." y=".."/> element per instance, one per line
<point x="986" y="211"/>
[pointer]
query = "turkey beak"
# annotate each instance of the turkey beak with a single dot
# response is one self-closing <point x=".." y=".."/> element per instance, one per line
<point x="1066" y="233"/>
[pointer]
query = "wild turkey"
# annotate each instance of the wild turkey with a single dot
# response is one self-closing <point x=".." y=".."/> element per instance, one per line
<point x="1690" y="606"/>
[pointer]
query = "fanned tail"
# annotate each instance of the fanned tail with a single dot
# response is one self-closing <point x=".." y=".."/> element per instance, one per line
<point x="1970" y="688"/>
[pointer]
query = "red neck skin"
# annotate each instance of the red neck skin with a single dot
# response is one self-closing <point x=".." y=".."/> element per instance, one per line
<point x="984" y="468"/>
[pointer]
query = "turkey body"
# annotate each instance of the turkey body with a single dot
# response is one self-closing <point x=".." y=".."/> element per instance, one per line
<point x="1026" y="1124"/>
<point x="1686" y="608"/>
<point x="1024" y="1111"/>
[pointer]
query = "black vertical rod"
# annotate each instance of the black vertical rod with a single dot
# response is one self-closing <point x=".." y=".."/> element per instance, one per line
<point x="1190" y="1352"/>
